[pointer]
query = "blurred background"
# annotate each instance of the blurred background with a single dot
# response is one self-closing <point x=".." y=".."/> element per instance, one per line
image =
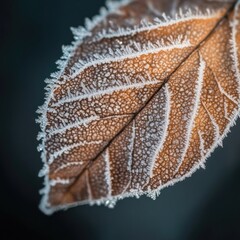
<point x="205" y="206"/>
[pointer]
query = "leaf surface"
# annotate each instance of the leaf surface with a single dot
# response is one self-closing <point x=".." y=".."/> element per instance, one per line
<point x="144" y="95"/>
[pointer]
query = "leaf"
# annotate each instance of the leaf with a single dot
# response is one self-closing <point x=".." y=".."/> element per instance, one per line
<point x="142" y="98"/>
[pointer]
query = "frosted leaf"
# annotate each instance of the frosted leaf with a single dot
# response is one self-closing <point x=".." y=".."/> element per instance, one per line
<point x="142" y="98"/>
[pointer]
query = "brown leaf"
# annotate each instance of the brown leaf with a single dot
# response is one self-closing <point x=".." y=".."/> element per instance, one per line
<point x="143" y="96"/>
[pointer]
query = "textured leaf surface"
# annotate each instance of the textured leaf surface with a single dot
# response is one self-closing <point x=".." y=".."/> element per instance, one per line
<point x="143" y="96"/>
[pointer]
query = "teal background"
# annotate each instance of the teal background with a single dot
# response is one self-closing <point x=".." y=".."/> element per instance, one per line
<point x="205" y="206"/>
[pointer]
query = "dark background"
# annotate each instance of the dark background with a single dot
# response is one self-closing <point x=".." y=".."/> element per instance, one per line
<point x="205" y="206"/>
